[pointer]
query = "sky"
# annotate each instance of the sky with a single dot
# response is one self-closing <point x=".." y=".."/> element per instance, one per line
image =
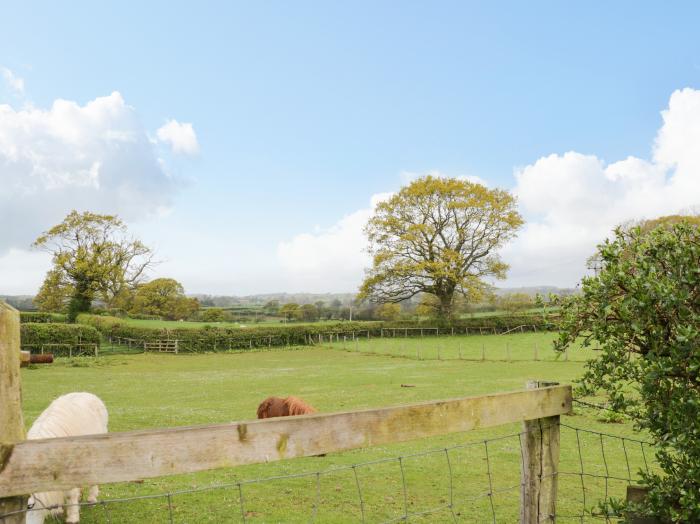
<point x="247" y="142"/>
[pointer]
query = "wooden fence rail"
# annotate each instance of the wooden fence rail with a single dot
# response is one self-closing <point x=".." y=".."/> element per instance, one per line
<point x="29" y="466"/>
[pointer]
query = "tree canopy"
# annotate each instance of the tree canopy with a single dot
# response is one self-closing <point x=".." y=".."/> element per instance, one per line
<point x="93" y="257"/>
<point x="164" y="297"/>
<point x="438" y="236"/>
<point x="642" y="310"/>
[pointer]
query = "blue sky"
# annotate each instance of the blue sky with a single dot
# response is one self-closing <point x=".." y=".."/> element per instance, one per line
<point x="303" y="111"/>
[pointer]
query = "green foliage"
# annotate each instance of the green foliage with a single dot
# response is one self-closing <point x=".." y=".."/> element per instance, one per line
<point x="438" y="236"/>
<point x="643" y="311"/>
<point x="163" y="297"/>
<point x="291" y="311"/>
<point x="55" y="292"/>
<point x="36" y="334"/>
<point x="92" y="258"/>
<point x="41" y="317"/>
<point x="388" y="311"/>
<point x="512" y="302"/>
<point x="212" y="338"/>
<point x="309" y="312"/>
<point x="212" y="314"/>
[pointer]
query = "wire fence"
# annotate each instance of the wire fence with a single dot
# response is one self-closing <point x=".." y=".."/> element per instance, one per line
<point x="476" y="481"/>
<point x="506" y="347"/>
<point x="223" y="342"/>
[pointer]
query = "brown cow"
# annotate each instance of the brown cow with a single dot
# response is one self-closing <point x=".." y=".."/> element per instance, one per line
<point x="283" y="407"/>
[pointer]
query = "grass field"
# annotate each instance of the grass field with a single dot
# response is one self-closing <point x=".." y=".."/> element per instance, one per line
<point x="149" y="390"/>
<point x="507" y="348"/>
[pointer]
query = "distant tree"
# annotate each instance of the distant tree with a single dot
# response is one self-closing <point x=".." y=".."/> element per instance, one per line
<point x="271" y="307"/>
<point x="54" y="294"/>
<point x="93" y="255"/>
<point x="388" y="311"/>
<point x="309" y="312"/>
<point x="164" y="297"/>
<point x="212" y="314"/>
<point x="513" y="302"/>
<point x="290" y="311"/>
<point x="438" y="236"/>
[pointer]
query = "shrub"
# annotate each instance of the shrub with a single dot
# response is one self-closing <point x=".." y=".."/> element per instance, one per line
<point x="34" y="335"/>
<point x="643" y="310"/>
<point x="40" y="317"/>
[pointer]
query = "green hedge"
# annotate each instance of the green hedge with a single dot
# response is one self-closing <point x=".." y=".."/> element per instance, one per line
<point x="34" y="335"/>
<point x="500" y="322"/>
<point x="40" y="317"/>
<point x="221" y="339"/>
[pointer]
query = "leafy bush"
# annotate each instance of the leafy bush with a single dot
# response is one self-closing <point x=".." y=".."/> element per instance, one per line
<point x="643" y="310"/>
<point x="41" y="317"/>
<point x="34" y="335"/>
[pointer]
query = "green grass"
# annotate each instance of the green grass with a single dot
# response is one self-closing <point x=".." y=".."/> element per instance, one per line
<point x="512" y="347"/>
<point x="150" y="390"/>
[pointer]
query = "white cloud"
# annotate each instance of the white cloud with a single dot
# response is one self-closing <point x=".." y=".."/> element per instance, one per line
<point x="13" y="81"/>
<point x="95" y="157"/>
<point x="180" y="136"/>
<point x="573" y="201"/>
<point x="329" y="259"/>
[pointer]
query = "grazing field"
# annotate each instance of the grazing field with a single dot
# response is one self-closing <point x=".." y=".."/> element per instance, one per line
<point x="155" y="390"/>
<point x="510" y="347"/>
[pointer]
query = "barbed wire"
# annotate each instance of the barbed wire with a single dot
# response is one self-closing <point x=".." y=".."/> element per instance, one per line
<point x="589" y="477"/>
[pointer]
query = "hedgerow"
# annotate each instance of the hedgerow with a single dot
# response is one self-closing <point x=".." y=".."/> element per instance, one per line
<point x="34" y="335"/>
<point x="215" y="338"/>
<point x="40" y="317"/>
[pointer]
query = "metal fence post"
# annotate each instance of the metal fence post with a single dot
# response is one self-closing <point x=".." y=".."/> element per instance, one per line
<point x="540" y="465"/>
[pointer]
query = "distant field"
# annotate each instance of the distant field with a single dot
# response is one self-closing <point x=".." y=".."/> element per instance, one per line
<point x="156" y="390"/>
<point x="533" y="310"/>
<point x="174" y="324"/>
<point x="511" y="347"/>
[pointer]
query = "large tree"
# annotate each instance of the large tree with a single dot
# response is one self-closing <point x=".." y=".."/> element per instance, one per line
<point x="93" y="257"/>
<point x="438" y="236"/>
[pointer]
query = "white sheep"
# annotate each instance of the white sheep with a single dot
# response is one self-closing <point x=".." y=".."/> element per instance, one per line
<point x="69" y="415"/>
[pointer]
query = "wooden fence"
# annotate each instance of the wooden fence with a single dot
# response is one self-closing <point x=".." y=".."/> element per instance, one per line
<point x="28" y="466"/>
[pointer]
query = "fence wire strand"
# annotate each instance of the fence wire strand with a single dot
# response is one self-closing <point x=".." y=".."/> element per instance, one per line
<point x="493" y="493"/>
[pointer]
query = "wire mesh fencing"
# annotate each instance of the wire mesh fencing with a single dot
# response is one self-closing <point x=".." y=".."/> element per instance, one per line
<point x="514" y="347"/>
<point x="474" y="481"/>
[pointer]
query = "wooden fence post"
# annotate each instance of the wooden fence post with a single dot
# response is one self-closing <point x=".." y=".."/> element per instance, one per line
<point x="11" y="421"/>
<point x="540" y="461"/>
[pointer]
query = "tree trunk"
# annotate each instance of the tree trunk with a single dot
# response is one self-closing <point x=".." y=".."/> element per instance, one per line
<point x="445" y="310"/>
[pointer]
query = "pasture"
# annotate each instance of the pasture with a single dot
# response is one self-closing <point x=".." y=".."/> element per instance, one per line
<point x="156" y="390"/>
<point x="511" y="347"/>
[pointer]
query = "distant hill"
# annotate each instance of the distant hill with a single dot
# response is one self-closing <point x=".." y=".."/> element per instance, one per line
<point x="21" y="302"/>
<point x="536" y="290"/>
<point x="346" y="298"/>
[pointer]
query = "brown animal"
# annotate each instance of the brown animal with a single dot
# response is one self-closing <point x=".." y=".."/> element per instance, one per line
<point x="283" y="407"/>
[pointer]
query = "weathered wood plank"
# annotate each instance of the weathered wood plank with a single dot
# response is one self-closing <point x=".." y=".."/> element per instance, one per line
<point x="63" y="463"/>
<point x="11" y="422"/>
